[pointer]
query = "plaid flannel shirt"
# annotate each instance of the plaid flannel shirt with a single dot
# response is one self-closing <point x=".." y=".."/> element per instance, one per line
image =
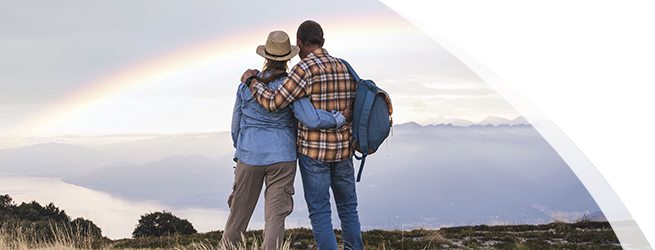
<point x="329" y="86"/>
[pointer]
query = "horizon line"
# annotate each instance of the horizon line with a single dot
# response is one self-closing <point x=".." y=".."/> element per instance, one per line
<point x="191" y="133"/>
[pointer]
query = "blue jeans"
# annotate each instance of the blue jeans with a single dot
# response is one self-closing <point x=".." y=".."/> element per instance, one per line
<point x="317" y="178"/>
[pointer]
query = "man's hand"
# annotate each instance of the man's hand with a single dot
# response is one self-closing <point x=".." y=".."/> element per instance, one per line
<point x="248" y="74"/>
<point x="348" y="113"/>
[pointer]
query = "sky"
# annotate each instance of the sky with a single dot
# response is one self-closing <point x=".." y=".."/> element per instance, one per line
<point x="98" y="68"/>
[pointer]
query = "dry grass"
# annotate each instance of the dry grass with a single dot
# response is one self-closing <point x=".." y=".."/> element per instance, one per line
<point x="14" y="236"/>
<point x="583" y="234"/>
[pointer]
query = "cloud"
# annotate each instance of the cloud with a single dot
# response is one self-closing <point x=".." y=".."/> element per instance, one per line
<point x="51" y="53"/>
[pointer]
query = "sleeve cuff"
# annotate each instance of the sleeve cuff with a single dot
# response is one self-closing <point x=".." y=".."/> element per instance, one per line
<point x="340" y="119"/>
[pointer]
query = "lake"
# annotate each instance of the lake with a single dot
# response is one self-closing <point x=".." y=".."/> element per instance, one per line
<point x="115" y="216"/>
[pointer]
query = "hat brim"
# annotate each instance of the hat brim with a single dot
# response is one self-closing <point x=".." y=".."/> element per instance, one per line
<point x="261" y="50"/>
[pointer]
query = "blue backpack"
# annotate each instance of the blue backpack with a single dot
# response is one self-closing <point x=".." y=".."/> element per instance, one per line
<point x="371" y="117"/>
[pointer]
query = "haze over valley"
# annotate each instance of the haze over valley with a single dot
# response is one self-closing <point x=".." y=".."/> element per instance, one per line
<point x="429" y="176"/>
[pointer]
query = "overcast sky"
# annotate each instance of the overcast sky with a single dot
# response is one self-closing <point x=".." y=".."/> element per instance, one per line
<point x="90" y="68"/>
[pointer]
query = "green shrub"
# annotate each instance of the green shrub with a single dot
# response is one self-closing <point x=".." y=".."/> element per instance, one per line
<point x="162" y="224"/>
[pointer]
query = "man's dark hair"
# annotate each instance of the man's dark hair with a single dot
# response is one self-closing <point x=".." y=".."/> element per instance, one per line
<point x="310" y="33"/>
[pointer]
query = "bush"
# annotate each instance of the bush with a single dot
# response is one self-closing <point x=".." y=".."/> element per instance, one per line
<point x="162" y="224"/>
<point x="85" y="228"/>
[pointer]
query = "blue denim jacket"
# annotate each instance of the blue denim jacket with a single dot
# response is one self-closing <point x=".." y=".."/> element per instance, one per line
<point x="261" y="137"/>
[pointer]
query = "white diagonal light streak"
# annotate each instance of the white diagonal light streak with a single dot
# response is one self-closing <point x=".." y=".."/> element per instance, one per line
<point x="624" y="225"/>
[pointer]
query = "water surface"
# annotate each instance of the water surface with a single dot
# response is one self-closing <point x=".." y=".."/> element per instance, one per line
<point x="115" y="216"/>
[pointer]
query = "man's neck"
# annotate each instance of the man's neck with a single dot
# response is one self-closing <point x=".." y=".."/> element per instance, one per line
<point x="311" y="49"/>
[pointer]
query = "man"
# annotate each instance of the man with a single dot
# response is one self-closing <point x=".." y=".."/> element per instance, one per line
<point x="324" y="156"/>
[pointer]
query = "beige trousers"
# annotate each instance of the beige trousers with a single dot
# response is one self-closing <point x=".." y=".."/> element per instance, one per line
<point x="278" y="202"/>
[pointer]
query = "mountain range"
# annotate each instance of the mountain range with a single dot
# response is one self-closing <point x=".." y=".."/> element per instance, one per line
<point x="641" y="130"/>
<point x="422" y="176"/>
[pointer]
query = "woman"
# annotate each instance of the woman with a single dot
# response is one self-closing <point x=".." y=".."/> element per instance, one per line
<point x="266" y="148"/>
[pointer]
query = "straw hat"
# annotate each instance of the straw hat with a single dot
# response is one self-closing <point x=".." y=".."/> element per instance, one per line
<point x="278" y="47"/>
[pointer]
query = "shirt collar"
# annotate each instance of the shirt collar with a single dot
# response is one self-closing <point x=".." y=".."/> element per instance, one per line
<point x="320" y="52"/>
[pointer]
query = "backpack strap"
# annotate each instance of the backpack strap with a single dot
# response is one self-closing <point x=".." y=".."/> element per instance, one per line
<point x="351" y="70"/>
<point x="361" y="168"/>
<point x="369" y="84"/>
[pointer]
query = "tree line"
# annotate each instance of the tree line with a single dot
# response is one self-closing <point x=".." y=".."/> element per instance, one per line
<point x="42" y="219"/>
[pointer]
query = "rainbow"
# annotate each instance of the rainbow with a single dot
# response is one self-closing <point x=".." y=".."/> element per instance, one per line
<point x="146" y="73"/>
<point x="137" y="76"/>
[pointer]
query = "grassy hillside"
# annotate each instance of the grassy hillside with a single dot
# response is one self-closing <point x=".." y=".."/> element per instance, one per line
<point x="583" y="234"/>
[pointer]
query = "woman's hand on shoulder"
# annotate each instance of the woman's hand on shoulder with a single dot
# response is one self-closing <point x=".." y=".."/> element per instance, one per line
<point x="248" y="74"/>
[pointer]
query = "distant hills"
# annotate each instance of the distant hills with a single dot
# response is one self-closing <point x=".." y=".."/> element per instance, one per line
<point x="444" y="174"/>
<point x="642" y="130"/>
<point x="434" y="175"/>
<point x="490" y="120"/>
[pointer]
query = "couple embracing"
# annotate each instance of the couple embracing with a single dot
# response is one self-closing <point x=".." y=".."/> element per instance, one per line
<point x="280" y="117"/>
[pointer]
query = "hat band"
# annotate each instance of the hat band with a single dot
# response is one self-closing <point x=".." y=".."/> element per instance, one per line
<point x="269" y="54"/>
